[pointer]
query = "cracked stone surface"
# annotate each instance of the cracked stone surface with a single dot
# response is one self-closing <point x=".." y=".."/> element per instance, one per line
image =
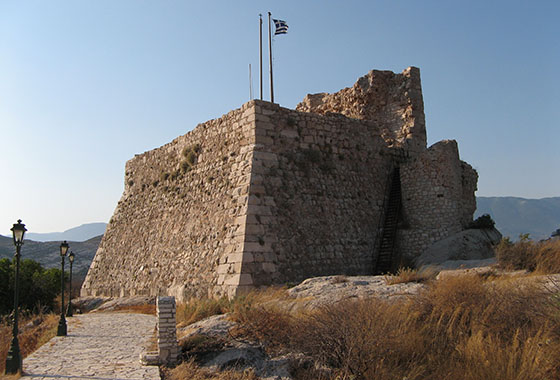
<point x="99" y="346"/>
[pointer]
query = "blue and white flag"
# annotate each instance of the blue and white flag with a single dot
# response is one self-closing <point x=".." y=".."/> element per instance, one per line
<point x="281" y="27"/>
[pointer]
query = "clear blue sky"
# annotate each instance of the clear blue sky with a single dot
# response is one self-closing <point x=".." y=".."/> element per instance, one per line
<point x="85" y="85"/>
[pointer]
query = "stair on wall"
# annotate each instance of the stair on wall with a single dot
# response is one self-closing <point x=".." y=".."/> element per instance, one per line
<point x="385" y="256"/>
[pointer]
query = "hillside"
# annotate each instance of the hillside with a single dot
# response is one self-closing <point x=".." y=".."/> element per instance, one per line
<point x="48" y="253"/>
<point x="80" y="233"/>
<point x="515" y="216"/>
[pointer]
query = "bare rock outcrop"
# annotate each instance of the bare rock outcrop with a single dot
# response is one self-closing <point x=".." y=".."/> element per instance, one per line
<point x="468" y="245"/>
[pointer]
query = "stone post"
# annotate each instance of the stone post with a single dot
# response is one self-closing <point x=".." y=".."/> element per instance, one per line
<point x="168" y="348"/>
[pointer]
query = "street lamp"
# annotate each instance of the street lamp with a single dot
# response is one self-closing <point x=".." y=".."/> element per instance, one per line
<point x="13" y="360"/>
<point x="62" y="322"/>
<point x="69" y="310"/>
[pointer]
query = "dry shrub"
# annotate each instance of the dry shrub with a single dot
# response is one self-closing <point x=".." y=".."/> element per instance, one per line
<point x="270" y="326"/>
<point x="542" y="257"/>
<point x="518" y="255"/>
<point x="190" y="371"/>
<point x="30" y="338"/>
<point x="199" y="347"/>
<point x="483" y="356"/>
<point x="547" y="257"/>
<point x="363" y="339"/>
<point x="198" y="309"/>
<point x="405" y="275"/>
<point x="460" y="327"/>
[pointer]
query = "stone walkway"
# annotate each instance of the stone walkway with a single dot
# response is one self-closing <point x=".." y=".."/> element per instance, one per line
<point x="99" y="346"/>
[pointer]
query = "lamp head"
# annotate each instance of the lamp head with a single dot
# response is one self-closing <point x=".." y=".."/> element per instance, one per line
<point x="71" y="257"/>
<point x="63" y="248"/>
<point x="18" y="230"/>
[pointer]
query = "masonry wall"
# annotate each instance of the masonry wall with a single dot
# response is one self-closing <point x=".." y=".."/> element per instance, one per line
<point x="392" y="101"/>
<point x="175" y="221"/>
<point x="315" y="198"/>
<point x="437" y="197"/>
<point x="267" y="195"/>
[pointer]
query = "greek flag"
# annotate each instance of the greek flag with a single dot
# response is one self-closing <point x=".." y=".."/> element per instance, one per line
<point x="281" y="27"/>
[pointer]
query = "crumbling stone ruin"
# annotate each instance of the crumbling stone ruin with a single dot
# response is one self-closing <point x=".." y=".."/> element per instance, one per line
<point x="344" y="184"/>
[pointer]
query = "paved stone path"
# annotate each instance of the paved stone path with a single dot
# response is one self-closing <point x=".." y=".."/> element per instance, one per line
<point x="99" y="346"/>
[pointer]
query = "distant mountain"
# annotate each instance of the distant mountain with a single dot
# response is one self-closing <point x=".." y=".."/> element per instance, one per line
<point x="81" y="233"/>
<point x="48" y="253"/>
<point x="515" y="216"/>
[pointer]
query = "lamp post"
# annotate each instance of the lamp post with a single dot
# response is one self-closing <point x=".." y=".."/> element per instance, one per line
<point x="62" y="322"/>
<point x="13" y="360"/>
<point x="69" y="309"/>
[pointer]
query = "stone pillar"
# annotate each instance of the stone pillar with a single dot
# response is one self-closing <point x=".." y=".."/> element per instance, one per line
<point x="168" y="348"/>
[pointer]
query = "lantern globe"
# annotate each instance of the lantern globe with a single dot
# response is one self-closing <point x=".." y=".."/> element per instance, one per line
<point x="63" y="248"/>
<point x="18" y="231"/>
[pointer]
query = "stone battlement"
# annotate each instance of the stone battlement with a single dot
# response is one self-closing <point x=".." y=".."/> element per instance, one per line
<point x="268" y="195"/>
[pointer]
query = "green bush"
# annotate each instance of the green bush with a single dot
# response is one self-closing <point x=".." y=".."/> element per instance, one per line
<point x="175" y="174"/>
<point x="192" y="149"/>
<point x="186" y="166"/>
<point x="484" y="221"/>
<point x="38" y="286"/>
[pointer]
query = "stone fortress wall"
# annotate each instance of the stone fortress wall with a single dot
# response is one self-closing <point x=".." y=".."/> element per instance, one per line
<point x="175" y="220"/>
<point x="268" y="195"/>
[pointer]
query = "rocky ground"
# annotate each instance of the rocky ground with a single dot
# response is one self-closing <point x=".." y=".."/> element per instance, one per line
<point x="211" y="340"/>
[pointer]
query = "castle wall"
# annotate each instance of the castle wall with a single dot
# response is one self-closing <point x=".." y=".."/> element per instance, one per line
<point x="275" y="196"/>
<point x="437" y="197"/>
<point x="175" y="222"/>
<point x="267" y="195"/>
<point x="316" y="196"/>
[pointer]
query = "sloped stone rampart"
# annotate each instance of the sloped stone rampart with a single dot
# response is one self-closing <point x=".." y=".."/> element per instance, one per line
<point x="316" y="196"/>
<point x="176" y="229"/>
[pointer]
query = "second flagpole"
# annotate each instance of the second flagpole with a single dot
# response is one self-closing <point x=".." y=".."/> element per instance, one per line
<point x="270" y="59"/>
<point x="260" y="54"/>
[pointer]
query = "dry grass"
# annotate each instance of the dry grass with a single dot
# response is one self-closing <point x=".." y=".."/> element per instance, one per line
<point x="189" y="370"/>
<point x="29" y="338"/>
<point x="10" y="377"/>
<point x="540" y="257"/>
<point x="547" y="257"/>
<point x="461" y="327"/>
<point x="405" y="275"/>
<point x="198" y="309"/>
<point x="140" y="309"/>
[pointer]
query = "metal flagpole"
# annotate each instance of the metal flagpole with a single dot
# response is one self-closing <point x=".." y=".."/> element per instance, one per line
<point x="250" y="83"/>
<point x="260" y="52"/>
<point x="270" y="59"/>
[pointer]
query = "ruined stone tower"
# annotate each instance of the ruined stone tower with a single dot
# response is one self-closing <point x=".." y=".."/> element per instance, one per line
<point x="268" y="195"/>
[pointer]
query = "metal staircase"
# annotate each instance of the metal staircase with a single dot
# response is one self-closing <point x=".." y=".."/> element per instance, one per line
<point x="385" y="256"/>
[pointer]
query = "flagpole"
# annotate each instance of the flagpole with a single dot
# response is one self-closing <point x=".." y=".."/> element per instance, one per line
<point x="250" y="83"/>
<point x="260" y="53"/>
<point x="270" y="59"/>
